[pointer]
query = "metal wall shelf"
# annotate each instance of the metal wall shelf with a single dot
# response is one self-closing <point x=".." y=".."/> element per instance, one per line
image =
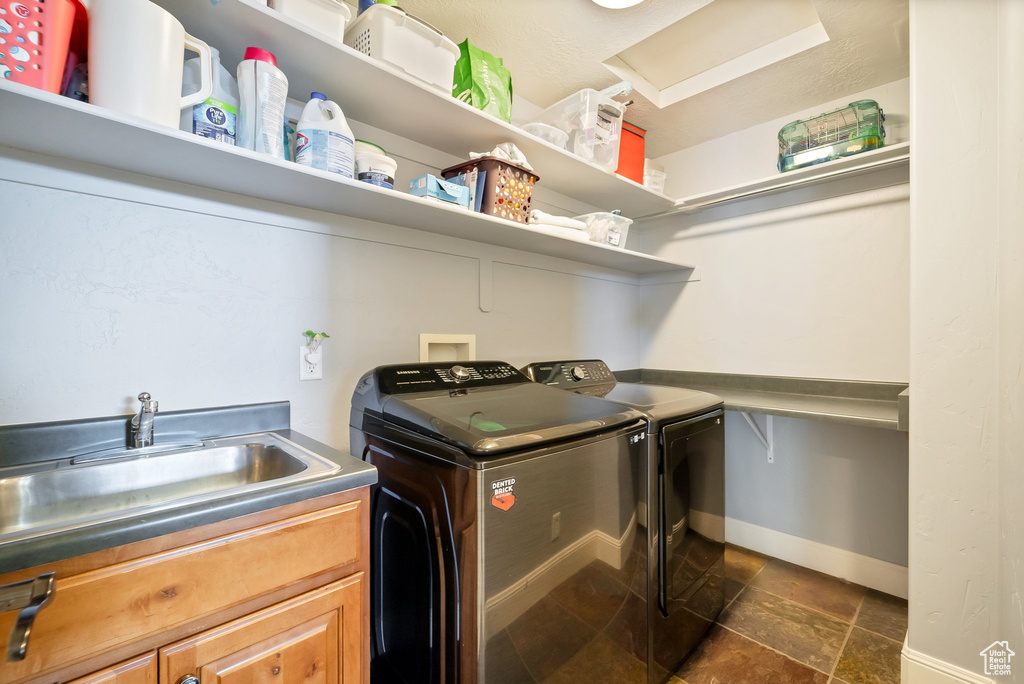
<point x="854" y="402"/>
<point x="892" y="156"/>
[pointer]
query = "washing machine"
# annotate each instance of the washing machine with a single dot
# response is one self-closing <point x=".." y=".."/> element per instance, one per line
<point x="683" y="506"/>
<point x="502" y="508"/>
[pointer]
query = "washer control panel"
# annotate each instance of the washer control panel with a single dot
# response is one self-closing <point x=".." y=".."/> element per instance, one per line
<point x="572" y="375"/>
<point x="424" y="377"/>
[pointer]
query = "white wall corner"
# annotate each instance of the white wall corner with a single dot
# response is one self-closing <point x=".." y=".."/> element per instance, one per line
<point x="920" y="668"/>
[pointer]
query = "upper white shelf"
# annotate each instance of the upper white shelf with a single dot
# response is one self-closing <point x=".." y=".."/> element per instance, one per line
<point x="374" y="93"/>
<point x="846" y="167"/>
<point x="84" y="132"/>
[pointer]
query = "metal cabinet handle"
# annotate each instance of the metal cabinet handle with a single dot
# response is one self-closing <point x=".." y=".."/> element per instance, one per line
<point x="189" y="679"/>
<point x="28" y="597"/>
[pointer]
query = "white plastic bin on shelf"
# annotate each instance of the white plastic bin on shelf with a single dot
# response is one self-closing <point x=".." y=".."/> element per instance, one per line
<point x="593" y="123"/>
<point x="607" y="228"/>
<point x="655" y="180"/>
<point x="400" y="39"/>
<point x="326" y="16"/>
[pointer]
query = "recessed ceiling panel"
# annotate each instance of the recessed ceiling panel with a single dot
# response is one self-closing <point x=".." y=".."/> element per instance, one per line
<point x="714" y="35"/>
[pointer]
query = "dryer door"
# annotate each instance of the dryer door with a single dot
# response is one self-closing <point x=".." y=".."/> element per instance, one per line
<point x="691" y="534"/>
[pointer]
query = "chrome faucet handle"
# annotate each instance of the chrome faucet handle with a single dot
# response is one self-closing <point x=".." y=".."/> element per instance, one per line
<point x="142" y="422"/>
<point x="149" y="405"/>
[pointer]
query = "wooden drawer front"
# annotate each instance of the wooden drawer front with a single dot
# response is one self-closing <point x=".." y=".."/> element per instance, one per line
<point x="97" y="611"/>
<point x="314" y="638"/>
<point x="141" y="670"/>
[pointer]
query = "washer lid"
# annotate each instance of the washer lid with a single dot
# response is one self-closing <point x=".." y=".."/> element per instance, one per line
<point x="496" y="419"/>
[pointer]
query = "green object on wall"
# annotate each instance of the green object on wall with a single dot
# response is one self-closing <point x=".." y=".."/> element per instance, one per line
<point x="482" y="80"/>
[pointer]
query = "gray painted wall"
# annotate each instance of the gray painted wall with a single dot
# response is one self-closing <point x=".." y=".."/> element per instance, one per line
<point x="200" y="300"/>
<point x="839" y="485"/>
<point x="807" y="284"/>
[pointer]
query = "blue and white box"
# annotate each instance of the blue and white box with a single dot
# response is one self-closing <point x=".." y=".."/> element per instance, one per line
<point x="429" y="185"/>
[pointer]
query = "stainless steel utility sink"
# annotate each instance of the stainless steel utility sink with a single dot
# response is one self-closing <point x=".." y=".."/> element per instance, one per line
<point x="106" y="486"/>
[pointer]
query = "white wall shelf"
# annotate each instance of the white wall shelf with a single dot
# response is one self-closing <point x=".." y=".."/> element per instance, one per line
<point x="40" y="122"/>
<point x="892" y="156"/>
<point x="384" y="97"/>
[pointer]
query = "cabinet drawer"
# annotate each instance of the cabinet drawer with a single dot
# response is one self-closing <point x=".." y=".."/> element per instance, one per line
<point x="315" y="637"/>
<point x="141" y="670"/>
<point x="111" y="607"/>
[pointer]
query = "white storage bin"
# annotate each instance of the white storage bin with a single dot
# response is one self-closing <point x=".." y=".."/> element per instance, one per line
<point x="593" y="123"/>
<point x="655" y="180"/>
<point x="555" y="136"/>
<point x="393" y="36"/>
<point x="607" y="228"/>
<point x="325" y="16"/>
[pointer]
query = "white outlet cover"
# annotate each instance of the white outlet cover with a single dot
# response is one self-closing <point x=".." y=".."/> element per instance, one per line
<point x="311" y="371"/>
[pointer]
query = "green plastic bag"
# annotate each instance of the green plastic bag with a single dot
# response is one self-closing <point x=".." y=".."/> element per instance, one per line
<point x="482" y="80"/>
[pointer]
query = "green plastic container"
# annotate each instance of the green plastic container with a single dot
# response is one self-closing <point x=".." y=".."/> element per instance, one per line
<point x="855" y="128"/>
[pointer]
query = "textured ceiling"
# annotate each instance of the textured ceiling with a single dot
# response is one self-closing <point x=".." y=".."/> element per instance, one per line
<point x="555" y="47"/>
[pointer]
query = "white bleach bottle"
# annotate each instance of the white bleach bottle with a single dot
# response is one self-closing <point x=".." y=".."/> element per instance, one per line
<point x="323" y="139"/>
<point x="263" y="91"/>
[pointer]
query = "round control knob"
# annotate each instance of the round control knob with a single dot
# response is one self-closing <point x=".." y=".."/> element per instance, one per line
<point x="459" y="373"/>
<point x="578" y="373"/>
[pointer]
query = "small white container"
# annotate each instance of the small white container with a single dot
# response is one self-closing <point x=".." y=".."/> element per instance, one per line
<point x="376" y="169"/>
<point x="324" y="16"/>
<point x="655" y="180"/>
<point x="403" y="41"/>
<point x="367" y="147"/>
<point x="607" y="228"/>
<point x="556" y="137"/>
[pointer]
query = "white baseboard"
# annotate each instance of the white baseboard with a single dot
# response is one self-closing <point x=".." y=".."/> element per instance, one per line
<point x="918" y="668"/>
<point x="708" y="524"/>
<point x="870" y="572"/>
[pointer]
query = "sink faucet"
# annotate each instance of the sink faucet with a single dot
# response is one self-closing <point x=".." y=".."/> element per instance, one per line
<point x="142" y="422"/>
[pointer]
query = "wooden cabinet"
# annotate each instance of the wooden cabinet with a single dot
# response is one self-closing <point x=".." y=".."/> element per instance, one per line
<point x="279" y="592"/>
<point x="141" y="670"/>
<point x="315" y="637"/>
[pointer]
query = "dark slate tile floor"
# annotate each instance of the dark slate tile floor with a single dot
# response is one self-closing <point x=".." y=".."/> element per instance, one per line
<point x="782" y="624"/>
<point x="788" y="624"/>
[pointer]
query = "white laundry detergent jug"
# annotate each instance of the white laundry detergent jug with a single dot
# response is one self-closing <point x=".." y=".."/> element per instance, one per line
<point x="323" y="139"/>
<point x="262" y="92"/>
<point x="216" y="118"/>
<point x="135" y="50"/>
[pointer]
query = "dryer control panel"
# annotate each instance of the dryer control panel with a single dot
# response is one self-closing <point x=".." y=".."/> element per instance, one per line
<point x="424" y="377"/>
<point x="571" y="375"/>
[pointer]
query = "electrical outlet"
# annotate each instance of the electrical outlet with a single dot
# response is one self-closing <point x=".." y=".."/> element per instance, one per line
<point x="311" y="366"/>
<point x="556" y="525"/>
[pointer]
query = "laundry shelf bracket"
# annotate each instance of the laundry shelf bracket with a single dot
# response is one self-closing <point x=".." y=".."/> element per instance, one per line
<point x="766" y="441"/>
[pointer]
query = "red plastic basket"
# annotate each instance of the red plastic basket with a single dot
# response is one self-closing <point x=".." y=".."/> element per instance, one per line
<point x="34" y="39"/>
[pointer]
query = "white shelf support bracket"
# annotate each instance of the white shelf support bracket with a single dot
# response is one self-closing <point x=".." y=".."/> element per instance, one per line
<point x="768" y="441"/>
<point x="486" y="285"/>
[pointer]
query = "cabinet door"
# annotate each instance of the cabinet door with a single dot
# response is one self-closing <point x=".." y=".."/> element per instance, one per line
<point x="140" y="670"/>
<point x="318" y="637"/>
<point x="118" y="605"/>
